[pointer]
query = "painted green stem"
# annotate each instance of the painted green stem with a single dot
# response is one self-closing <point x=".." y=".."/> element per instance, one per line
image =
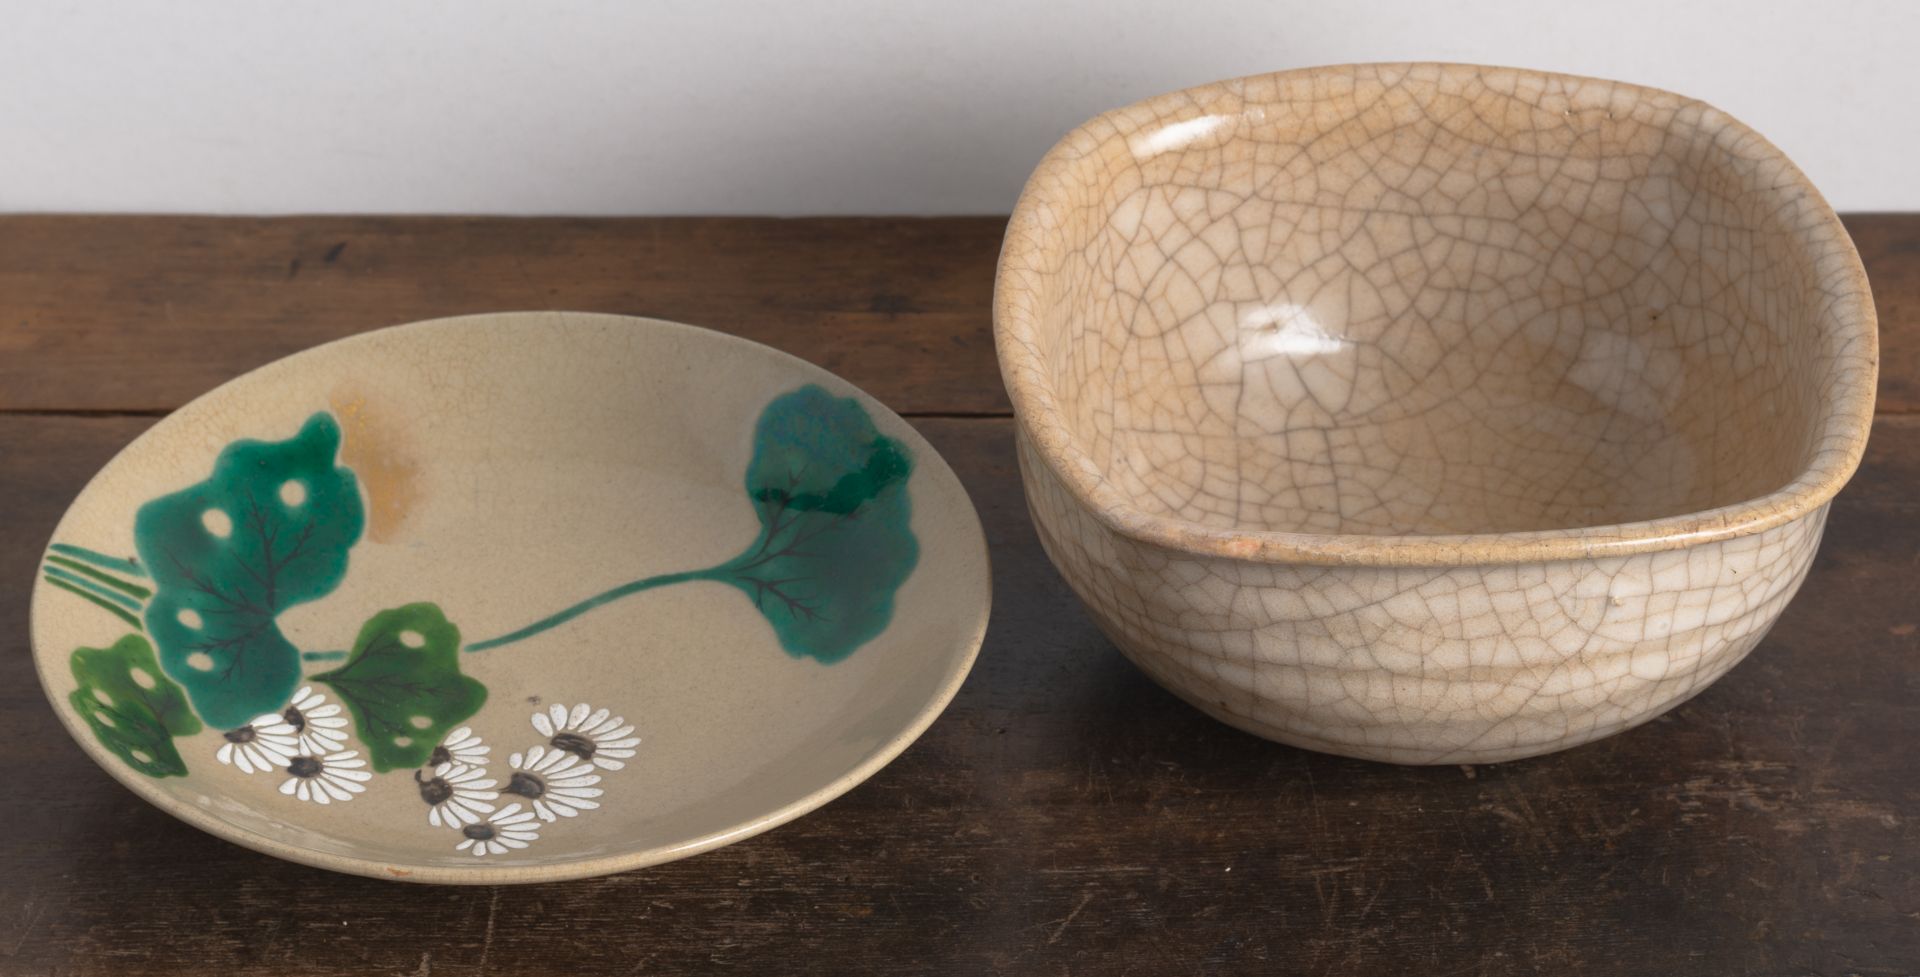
<point x="106" y="578"/>
<point x="624" y="590"/>
<point x="131" y="620"/>
<point x="57" y="573"/>
<point x="99" y="559"/>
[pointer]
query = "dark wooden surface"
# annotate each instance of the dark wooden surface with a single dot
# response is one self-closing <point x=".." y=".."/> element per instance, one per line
<point x="1064" y="816"/>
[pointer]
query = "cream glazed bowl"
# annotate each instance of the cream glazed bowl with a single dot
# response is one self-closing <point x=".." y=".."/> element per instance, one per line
<point x="1431" y="413"/>
<point x="511" y="598"/>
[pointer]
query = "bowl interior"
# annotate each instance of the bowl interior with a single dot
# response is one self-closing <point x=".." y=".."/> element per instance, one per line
<point x="1430" y="299"/>
<point x="505" y="470"/>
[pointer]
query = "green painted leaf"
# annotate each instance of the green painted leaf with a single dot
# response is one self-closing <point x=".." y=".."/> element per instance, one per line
<point x="402" y="683"/>
<point x="835" y="537"/>
<point x="131" y="706"/>
<point x="270" y="528"/>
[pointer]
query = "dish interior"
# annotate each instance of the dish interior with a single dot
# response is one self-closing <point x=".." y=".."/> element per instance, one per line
<point x="1429" y="300"/>
<point x="509" y="470"/>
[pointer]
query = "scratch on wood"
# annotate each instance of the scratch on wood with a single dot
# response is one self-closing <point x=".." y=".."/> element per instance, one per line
<point x="1062" y="927"/>
<point x="486" y="941"/>
<point x="33" y="919"/>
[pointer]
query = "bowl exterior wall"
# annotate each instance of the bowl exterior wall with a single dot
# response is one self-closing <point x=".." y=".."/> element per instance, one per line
<point x="1465" y="664"/>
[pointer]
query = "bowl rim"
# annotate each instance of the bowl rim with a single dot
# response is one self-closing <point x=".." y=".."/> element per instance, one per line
<point x="886" y="751"/>
<point x="1840" y="440"/>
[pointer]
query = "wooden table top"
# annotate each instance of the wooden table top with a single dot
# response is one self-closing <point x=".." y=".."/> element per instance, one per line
<point x="1065" y="816"/>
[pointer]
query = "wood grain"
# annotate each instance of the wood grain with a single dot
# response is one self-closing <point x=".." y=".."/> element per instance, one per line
<point x="1890" y="247"/>
<point x="146" y="313"/>
<point x="1064" y="816"/>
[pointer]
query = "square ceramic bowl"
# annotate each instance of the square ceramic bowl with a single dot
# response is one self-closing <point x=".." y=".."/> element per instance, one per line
<point x="1431" y="413"/>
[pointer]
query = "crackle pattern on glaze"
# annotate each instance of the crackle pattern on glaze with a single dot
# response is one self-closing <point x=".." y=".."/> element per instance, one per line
<point x="1469" y="664"/>
<point x="1341" y="389"/>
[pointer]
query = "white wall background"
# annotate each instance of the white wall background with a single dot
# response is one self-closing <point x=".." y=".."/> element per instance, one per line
<point x="795" y="107"/>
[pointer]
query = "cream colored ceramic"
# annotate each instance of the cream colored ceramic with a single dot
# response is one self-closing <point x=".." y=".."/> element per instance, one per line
<point x="1431" y="413"/>
<point x="511" y="598"/>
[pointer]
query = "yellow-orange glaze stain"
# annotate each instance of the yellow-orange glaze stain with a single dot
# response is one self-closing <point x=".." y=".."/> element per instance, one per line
<point x="376" y="449"/>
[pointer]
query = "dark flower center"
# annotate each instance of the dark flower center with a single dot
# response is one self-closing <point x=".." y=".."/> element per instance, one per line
<point x="305" y="766"/>
<point x="478" y="832"/>
<point x="245" y="734"/>
<point x="575" y="744"/>
<point x="294" y="719"/>
<point x="440" y="756"/>
<point x="527" y="785"/>
<point x="433" y="791"/>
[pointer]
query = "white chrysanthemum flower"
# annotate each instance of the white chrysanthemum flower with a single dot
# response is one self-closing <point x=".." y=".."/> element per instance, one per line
<point x="557" y="784"/>
<point x="267" y="743"/>
<point x="335" y="776"/>
<point x="456" y="794"/>
<point x="319" y="724"/>
<point x="460" y="746"/>
<point x="601" y="738"/>
<point x="502" y="831"/>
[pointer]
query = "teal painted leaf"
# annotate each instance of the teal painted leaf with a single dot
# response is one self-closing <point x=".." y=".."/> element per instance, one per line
<point x="835" y="537"/>
<point x="131" y="706"/>
<point x="270" y="528"/>
<point x="402" y="683"/>
<point x="835" y="541"/>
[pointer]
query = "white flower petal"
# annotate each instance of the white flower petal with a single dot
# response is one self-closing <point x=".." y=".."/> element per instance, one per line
<point x="606" y="764"/>
<point x="577" y="716"/>
<point x="541" y="725"/>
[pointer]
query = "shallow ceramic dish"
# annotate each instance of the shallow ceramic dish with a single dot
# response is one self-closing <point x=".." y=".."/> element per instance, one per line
<point x="511" y="598"/>
<point x="1431" y="413"/>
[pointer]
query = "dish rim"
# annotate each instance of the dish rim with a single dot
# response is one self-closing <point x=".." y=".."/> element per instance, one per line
<point x="151" y="791"/>
<point x="1848" y="417"/>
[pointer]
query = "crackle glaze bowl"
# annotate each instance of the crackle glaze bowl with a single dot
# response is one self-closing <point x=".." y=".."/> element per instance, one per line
<point x="511" y="598"/>
<point x="1431" y="413"/>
